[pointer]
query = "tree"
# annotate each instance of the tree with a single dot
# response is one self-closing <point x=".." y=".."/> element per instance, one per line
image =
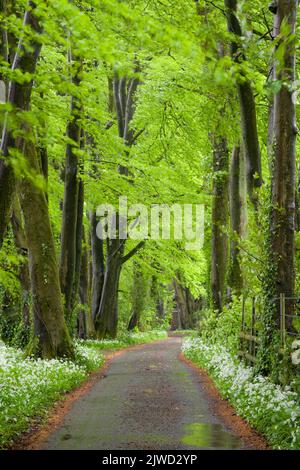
<point x="51" y="335"/>
<point x="72" y="206"/>
<point x="281" y="278"/>
<point x="106" y="319"/>
<point x="139" y="297"/>
<point x="220" y="212"/>
<point x="247" y="105"/>
<point x="97" y="264"/>
<point x="235" y="277"/>
<point x="17" y="95"/>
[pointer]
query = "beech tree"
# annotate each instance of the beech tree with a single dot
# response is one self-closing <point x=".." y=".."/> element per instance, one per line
<point x="106" y="319"/>
<point x="73" y="204"/>
<point x="98" y="104"/>
<point x="247" y="104"/>
<point x="220" y="213"/>
<point x="283" y="155"/>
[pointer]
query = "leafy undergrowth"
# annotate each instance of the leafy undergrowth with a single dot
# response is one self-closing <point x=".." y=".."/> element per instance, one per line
<point x="272" y="410"/>
<point x="28" y="387"/>
<point x="125" y="340"/>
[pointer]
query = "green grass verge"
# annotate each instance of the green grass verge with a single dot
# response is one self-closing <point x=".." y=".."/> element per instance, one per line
<point x="125" y="340"/>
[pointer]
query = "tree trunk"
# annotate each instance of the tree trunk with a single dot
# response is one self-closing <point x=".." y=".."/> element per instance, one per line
<point x="43" y="150"/>
<point x="18" y="95"/>
<point x="297" y="200"/>
<point x="282" y="214"/>
<point x="247" y="108"/>
<point x="235" y="278"/>
<point x="220" y="210"/>
<point x="51" y="334"/>
<point x="182" y="307"/>
<point x="22" y="248"/>
<point x="70" y="203"/>
<point x="97" y="264"/>
<point x="106" y="321"/>
<point x="139" y="297"/>
<point x="83" y="323"/>
<point x="155" y="293"/>
<point x="79" y="235"/>
<point x="186" y="306"/>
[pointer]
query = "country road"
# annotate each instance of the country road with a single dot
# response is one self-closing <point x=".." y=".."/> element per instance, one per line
<point x="148" y="399"/>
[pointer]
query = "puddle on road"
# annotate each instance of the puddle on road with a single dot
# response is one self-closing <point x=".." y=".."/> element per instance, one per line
<point x="209" y="436"/>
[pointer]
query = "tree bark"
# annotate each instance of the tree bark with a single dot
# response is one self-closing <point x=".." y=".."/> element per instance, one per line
<point x="186" y="306"/>
<point x="18" y="94"/>
<point x="70" y="203"/>
<point x="79" y="238"/>
<point x="51" y="337"/>
<point x="220" y="212"/>
<point x="282" y="214"/>
<point x="22" y="248"/>
<point x="155" y="293"/>
<point x="247" y="108"/>
<point x="139" y="297"/>
<point x="235" y="278"/>
<point x="83" y="323"/>
<point x="97" y="265"/>
<point x="106" y="319"/>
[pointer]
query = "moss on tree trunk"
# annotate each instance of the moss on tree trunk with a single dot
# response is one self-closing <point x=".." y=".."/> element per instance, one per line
<point x="51" y="337"/>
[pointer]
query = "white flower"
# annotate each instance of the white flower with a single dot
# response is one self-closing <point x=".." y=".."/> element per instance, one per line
<point x="272" y="409"/>
<point x="296" y="357"/>
<point x="296" y="344"/>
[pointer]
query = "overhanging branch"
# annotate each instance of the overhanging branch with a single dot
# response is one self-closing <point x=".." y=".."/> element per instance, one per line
<point x="133" y="251"/>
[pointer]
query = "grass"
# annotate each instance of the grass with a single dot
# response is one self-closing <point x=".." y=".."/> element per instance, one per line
<point x="125" y="340"/>
<point x="184" y="332"/>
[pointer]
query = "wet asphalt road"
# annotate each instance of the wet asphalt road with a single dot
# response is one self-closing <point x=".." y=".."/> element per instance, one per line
<point x="149" y="399"/>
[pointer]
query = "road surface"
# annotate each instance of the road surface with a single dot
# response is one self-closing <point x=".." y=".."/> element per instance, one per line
<point x="149" y="399"/>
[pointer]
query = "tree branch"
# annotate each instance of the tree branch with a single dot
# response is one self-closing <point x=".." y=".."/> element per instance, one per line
<point x="133" y="251"/>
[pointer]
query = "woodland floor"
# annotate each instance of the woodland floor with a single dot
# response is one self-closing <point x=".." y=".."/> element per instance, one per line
<point x="148" y="397"/>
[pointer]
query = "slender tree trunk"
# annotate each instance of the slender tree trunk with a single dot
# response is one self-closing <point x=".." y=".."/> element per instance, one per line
<point x="186" y="306"/>
<point x="97" y="264"/>
<point x="220" y="212"/>
<point x="155" y="293"/>
<point x="106" y="320"/>
<point x="70" y="204"/>
<point x="83" y="321"/>
<point x="247" y="108"/>
<point x="79" y="235"/>
<point x="282" y="214"/>
<point x="235" y="278"/>
<point x="139" y="297"/>
<point x="184" y="318"/>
